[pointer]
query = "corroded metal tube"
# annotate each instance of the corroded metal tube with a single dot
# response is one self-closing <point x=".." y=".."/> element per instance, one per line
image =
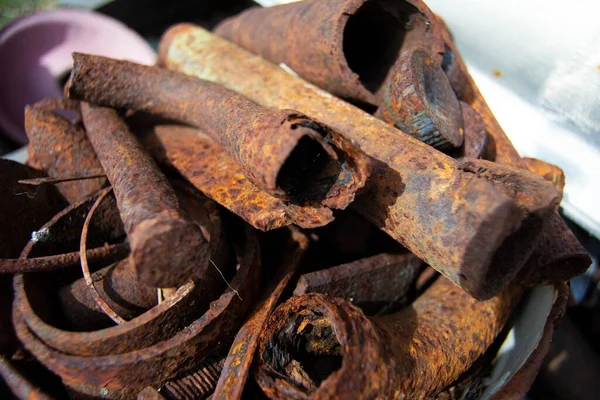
<point x="318" y="347"/>
<point x="456" y="216"/>
<point x="282" y="152"/>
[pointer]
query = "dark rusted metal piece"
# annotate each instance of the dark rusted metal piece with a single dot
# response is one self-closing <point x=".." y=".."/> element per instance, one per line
<point x="21" y="388"/>
<point x="549" y="172"/>
<point x="196" y="385"/>
<point x="61" y="148"/>
<point x="123" y="375"/>
<point x="166" y="246"/>
<point x="419" y="101"/>
<point x="282" y="152"/>
<point x="212" y="170"/>
<point x="187" y="304"/>
<point x="149" y="393"/>
<point x="476" y="144"/>
<point x="236" y="368"/>
<point x="25" y="208"/>
<point x="104" y="254"/>
<point x="347" y="47"/>
<point x="317" y="347"/>
<point x="370" y="283"/>
<point x="559" y="255"/>
<point x="118" y="286"/>
<point x="465" y="225"/>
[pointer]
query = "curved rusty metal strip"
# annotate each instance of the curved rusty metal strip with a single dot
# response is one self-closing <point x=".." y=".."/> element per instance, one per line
<point x="21" y="388"/>
<point x="411" y="354"/>
<point x="156" y="324"/>
<point x="124" y="375"/>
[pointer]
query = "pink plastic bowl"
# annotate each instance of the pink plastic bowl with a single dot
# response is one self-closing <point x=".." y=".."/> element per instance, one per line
<point x="35" y="55"/>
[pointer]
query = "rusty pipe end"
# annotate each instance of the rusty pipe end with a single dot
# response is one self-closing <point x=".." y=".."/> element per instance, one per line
<point x="421" y="102"/>
<point x="309" y="349"/>
<point x="167" y="249"/>
<point x="167" y="38"/>
<point x="316" y="166"/>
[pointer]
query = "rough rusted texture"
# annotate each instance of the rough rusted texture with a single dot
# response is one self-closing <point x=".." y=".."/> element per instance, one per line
<point x="476" y="144"/>
<point x="347" y="47"/>
<point x="118" y="286"/>
<point x="414" y="353"/>
<point x="212" y="170"/>
<point x="149" y="393"/>
<point x="282" y="152"/>
<point x="61" y="148"/>
<point x="166" y="246"/>
<point x="160" y="322"/>
<point x="456" y="221"/>
<point x="123" y="375"/>
<point x="521" y="382"/>
<point x="196" y="385"/>
<point x="237" y="365"/>
<point x="559" y="255"/>
<point x="419" y="101"/>
<point x="20" y="387"/>
<point x="369" y="283"/>
<point x="105" y="254"/>
<point x="549" y="172"/>
<point x="25" y="208"/>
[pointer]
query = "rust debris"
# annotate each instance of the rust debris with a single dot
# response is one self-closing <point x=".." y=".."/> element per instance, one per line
<point x="320" y="347"/>
<point x="166" y="246"/>
<point x="416" y="193"/>
<point x="283" y="152"/>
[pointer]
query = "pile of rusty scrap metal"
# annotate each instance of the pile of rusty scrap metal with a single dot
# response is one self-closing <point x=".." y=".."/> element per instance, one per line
<point x="135" y="240"/>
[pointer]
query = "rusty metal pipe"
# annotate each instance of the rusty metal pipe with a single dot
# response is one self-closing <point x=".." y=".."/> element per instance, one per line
<point x="419" y="196"/>
<point x="559" y="255"/>
<point x="166" y="245"/>
<point x="204" y="163"/>
<point x="318" y="347"/>
<point x="282" y="152"/>
<point x="61" y="148"/>
<point x="347" y="47"/>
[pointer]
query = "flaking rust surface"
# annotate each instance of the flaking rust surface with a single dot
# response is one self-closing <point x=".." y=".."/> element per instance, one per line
<point x="214" y="172"/>
<point x="412" y="354"/>
<point x="237" y="365"/>
<point x="416" y="193"/>
<point x="558" y="254"/>
<point x="166" y="246"/>
<point x="61" y="148"/>
<point x="270" y="145"/>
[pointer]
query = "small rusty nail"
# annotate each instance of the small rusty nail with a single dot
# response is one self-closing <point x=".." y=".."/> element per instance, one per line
<point x="166" y="246"/>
